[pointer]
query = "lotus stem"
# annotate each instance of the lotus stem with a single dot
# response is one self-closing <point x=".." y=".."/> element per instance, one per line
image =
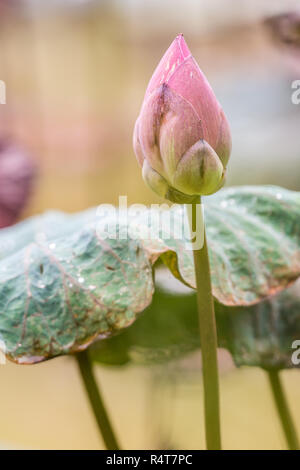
<point x="283" y="410"/>
<point x="96" y="401"/>
<point x="208" y="335"/>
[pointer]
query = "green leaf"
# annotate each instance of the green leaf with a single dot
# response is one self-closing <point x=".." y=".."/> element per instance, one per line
<point x="254" y="242"/>
<point x="260" y="335"/>
<point x="58" y="297"/>
<point x="63" y="285"/>
<point x="263" y="334"/>
<point x="166" y="330"/>
<point x="253" y="236"/>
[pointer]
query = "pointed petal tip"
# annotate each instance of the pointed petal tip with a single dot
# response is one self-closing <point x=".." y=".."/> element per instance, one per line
<point x="183" y="47"/>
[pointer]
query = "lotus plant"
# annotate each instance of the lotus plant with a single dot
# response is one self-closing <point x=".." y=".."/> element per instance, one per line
<point x="182" y="142"/>
<point x="67" y="288"/>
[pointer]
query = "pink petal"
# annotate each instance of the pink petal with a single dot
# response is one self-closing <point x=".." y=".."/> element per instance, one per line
<point x="173" y="57"/>
<point x="168" y="126"/>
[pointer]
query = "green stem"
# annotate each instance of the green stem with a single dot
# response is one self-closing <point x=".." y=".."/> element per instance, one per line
<point x="283" y="410"/>
<point x="96" y="401"/>
<point x="208" y="337"/>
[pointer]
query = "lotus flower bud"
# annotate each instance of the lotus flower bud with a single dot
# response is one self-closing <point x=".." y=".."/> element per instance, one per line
<point x="181" y="138"/>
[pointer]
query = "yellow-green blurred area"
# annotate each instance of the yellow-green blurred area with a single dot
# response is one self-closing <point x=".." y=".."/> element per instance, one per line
<point x="75" y="74"/>
<point x="45" y="407"/>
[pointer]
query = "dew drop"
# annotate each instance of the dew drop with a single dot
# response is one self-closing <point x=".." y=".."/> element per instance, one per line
<point x="81" y="280"/>
<point x="52" y="246"/>
<point x="91" y="287"/>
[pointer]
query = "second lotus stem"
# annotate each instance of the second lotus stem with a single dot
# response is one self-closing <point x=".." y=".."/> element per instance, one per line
<point x="283" y="410"/>
<point x="96" y="401"/>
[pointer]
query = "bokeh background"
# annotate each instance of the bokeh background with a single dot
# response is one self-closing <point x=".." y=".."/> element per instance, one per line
<point x="76" y="72"/>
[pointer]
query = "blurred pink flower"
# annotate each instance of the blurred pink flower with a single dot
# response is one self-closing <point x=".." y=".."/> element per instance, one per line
<point x="17" y="172"/>
<point x="285" y="30"/>
<point x="182" y="137"/>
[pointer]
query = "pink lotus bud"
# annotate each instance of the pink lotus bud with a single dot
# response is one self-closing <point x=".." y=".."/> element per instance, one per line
<point x="181" y="137"/>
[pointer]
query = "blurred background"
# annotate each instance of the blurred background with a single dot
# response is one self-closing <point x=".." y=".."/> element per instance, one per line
<point x="75" y="73"/>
